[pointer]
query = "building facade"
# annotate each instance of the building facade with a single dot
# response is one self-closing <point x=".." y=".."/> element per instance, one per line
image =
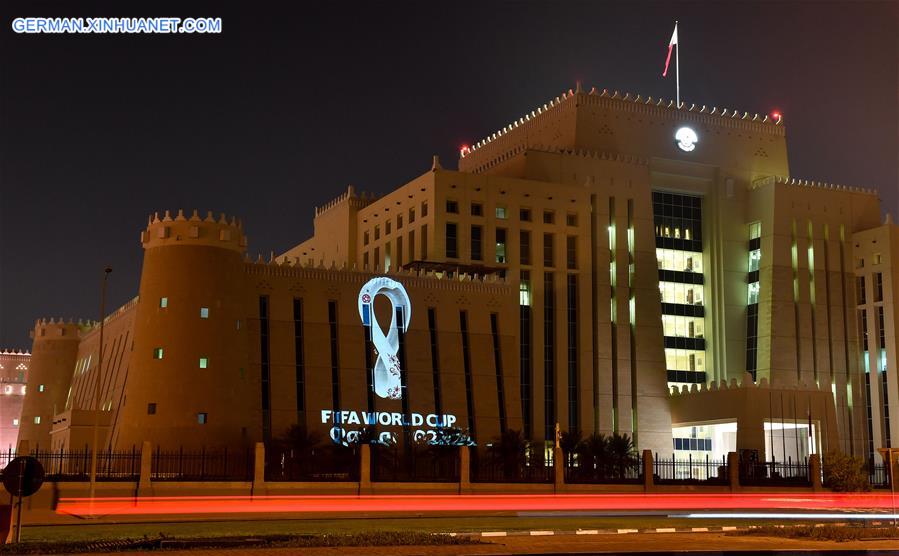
<point x="13" y="385"/>
<point x="581" y="264"/>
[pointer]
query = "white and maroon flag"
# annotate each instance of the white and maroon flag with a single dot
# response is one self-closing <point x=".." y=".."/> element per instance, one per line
<point x="671" y="46"/>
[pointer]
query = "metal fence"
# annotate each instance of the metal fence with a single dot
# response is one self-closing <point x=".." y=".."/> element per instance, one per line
<point x="586" y="470"/>
<point x="774" y="473"/>
<point x="878" y="475"/>
<point x="416" y="464"/>
<point x="699" y="470"/>
<point x="180" y="465"/>
<point x="335" y="463"/>
<point x="75" y="465"/>
<point x="490" y="468"/>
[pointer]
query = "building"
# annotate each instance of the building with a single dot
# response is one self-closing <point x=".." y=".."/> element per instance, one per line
<point x="607" y="263"/>
<point x="13" y="379"/>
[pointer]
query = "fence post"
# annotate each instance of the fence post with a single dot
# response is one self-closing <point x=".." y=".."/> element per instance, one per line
<point x="814" y="470"/>
<point x="146" y="463"/>
<point x="648" y="479"/>
<point x="364" y="468"/>
<point x="259" y="467"/>
<point x="558" y="469"/>
<point x="733" y="471"/>
<point x="464" y="469"/>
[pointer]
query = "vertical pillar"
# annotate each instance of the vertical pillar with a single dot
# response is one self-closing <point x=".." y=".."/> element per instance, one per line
<point x="814" y="471"/>
<point x="558" y="469"/>
<point x="364" y="468"/>
<point x="464" y="469"/>
<point x="259" y="467"/>
<point x="648" y="480"/>
<point x="733" y="471"/>
<point x="146" y="463"/>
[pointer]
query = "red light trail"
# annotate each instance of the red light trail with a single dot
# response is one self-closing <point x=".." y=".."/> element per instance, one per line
<point x="175" y="505"/>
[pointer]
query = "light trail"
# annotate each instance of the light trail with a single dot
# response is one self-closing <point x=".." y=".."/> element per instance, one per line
<point x="436" y="503"/>
<point x="767" y="515"/>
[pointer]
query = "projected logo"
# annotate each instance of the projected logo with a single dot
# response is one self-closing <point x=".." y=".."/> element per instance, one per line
<point x="686" y="139"/>
<point x="386" y="373"/>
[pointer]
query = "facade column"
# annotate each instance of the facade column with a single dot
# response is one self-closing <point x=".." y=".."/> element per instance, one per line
<point x="364" y="468"/>
<point x="814" y="471"/>
<point x="464" y="469"/>
<point x="648" y="479"/>
<point x="146" y="463"/>
<point x="733" y="471"/>
<point x="259" y="467"/>
<point x="559" y="469"/>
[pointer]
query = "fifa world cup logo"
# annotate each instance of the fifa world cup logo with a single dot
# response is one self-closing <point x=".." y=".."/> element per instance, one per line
<point x="386" y="382"/>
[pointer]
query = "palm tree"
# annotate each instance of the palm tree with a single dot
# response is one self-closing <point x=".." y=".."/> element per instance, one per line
<point x="593" y="455"/>
<point x="297" y="440"/>
<point x="509" y="450"/>
<point x="621" y="454"/>
<point x="568" y="442"/>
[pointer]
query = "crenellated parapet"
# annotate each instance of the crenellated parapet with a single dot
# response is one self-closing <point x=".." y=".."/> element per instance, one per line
<point x="785" y="180"/>
<point x="56" y="328"/>
<point x="350" y="198"/>
<point x="181" y="230"/>
<point x="733" y="384"/>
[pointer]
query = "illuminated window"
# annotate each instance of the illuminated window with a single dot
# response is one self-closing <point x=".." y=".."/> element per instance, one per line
<point x="15" y="422"/>
<point x="477" y="209"/>
<point x="204" y="362"/>
<point x="753" y="293"/>
<point x="501" y="212"/>
<point x="876" y="259"/>
<point x="501" y="245"/>
<point x="755" y="257"/>
<point x="40" y="388"/>
<point x="452" y="207"/>
<point x="524" y="288"/>
<point x="202" y="418"/>
<point x="163" y="302"/>
<point x="204" y="312"/>
<point x="151" y="408"/>
<point x="37" y="420"/>
<point x="157" y="353"/>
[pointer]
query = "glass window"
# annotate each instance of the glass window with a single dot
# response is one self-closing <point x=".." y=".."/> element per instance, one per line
<point x="501" y="213"/>
<point x="477" y="209"/>
<point x="399" y="222"/>
<point x="680" y="293"/>
<point x="151" y="408"/>
<point x="15" y="422"/>
<point x="878" y="286"/>
<point x="571" y="219"/>
<point x="157" y="353"/>
<point x="524" y="288"/>
<point x="365" y="237"/>
<point x="548" y="258"/>
<point x="571" y="252"/>
<point x="40" y="388"/>
<point x="477" y="253"/>
<point x="685" y="359"/>
<point x="548" y="217"/>
<point x="451" y="243"/>
<point x="681" y="261"/>
<point x="163" y="302"/>
<point x="860" y="290"/>
<point x="204" y="312"/>
<point x="755" y="230"/>
<point x="204" y="362"/>
<point x="524" y="245"/>
<point x="411" y="215"/>
<point x="387" y="227"/>
<point x="202" y="418"/>
<point x="753" y="295"/>
<point x="501" y="245"/>
<point x="876" y="259"/>
<point x="524" y="214"/>
<point x="755" y="257"/>
<point x="683" y="327"/>
<point x="377" y="232"/>
<point x="37" y="420"/>
<point x="424" y="209"/>
<point x="452" y="207"/>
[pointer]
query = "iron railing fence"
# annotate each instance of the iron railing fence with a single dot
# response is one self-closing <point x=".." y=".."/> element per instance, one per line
<point x="878" y="475"/>
<point x="438" y="464"/>
<point x="487" y="467"/>
<point x="691" y="470"/>
<point x="201" y="465"/>
<point x="75" y="465"/>
<point x="583" y="469"/>
<point x="332" y="463"/>
<point x="774" y="473"/>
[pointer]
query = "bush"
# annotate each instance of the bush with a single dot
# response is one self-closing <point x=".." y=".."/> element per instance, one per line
<point x="845" y="473"/>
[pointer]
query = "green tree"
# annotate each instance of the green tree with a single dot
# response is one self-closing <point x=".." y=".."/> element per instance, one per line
<point x="593" y="454"/>
<point x="845" y="473"/>
<point x="621" y="454"/>
<point x="569" y="442"/>
<point x="509" y="450"/>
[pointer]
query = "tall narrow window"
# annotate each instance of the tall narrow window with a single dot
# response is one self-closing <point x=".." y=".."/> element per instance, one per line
<point x="424" y="242"/>
<point x="424" y="209"/>
<point x="299" y="361"/>
<point x="466" y="364"/>
<point x="525" y="360"/>
<point x="549" y="359"/>
<point x="452" y="251"/>
<point x="412" y="245"/>
<point x="571" y="252"/>
<point x="860" y="290"/>
<point x="878" y="286"/>
<point x="524" y="246"/>
<point x="411" y="215"/>
<point x="163" y="302"/>
<point x="335" y="361"/>
<point x="548" y="256"/>
<point x="204" y="312"/>
<point x="476" y="244"/>
<point x="399" y="251"/>
<point x="501" y="246"/>
<point x="264" y="368"/>
<point x="435" y="360"/>
<point x="573" y="406"/>
<point x="498" y="366"/>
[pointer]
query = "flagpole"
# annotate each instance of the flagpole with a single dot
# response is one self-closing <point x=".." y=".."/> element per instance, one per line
<point x="677" y="65"/>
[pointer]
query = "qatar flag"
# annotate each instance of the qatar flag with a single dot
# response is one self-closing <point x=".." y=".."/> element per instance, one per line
<point x="671" y="46"/>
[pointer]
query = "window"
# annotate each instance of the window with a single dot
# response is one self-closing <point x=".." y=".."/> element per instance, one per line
<point x="524" y="245"/>
<point x="37" y="420"/>
<point x="151" y="408"/>
<point x="452" y="251"/>
<point x="377" y="232"/>
<point x="477" y="209"/>
<point x="501" y="245"/>
<point x="157" y="353"/>
<point x="548" y="258"/>
<point x="237" y="324"/>
<point x="860" y="262"/>
<point x="755" y="257"/>
<point x="501" y="213"/>
<point x="524" y="214"/>
<point x="202" y="418"/>
<point x="571" y="252"/>
<point x="452" y="207"/>
<point x="377" y="257"/>
<point x="40" y="388"/>
<point x="477" y="253"/>
<point x="878" y="286"/>
<point x="387" y="228"/>
<point x="860" y="290"/>
<point x="365" y="260"/>
<point x="163" y="302"/>
<point x="753" y="296"/>
<point x="524" y="288"/>
<point x="424" y="242"/>
<point x="15" y="422"/>
<point x="424" y="209"/>
<point x="876" y="259"/>
<point x="365" y="237"/>
<point x="548" y="217"/>
<point x="204" y="312"/>
<point x="411" y="215"/>
<point x="204" y="362"/>
<point x="571" y="219"/>
<point x="399" y="222"/>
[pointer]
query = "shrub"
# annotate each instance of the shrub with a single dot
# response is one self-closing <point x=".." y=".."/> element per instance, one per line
<point x="845" y="473"/>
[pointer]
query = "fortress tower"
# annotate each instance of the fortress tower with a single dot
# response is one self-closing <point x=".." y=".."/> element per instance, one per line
<point x="53" y="358"/>
<point x="187" y="383"/>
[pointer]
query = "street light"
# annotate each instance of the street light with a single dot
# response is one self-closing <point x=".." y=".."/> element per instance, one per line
<point x="95" y="445"/>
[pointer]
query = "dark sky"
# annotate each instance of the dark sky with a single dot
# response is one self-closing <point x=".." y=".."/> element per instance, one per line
<point x="284" y="109"/>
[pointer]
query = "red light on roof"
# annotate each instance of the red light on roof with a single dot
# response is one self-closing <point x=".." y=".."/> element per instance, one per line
<point x="464" y="149"/>
<point x="776" y="115"/>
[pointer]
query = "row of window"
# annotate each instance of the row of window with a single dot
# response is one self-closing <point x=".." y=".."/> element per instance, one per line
<point x="680" y="293"/>
<point x="159" y="352"/>
<point x="680" y="261"/>
<point x="501" y="246"/>
<point x="861" y="290"/>
<point x="703" y="444"/>
<point x="502" y="213"/>
<point x="876" y="258"/>
<point x="202" y="418"/>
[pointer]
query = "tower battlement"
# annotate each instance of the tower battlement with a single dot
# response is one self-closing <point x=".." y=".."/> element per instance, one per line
<point x="181" y="230"/>
<point x="54" y="328"/>
<point x="351" y="198"/>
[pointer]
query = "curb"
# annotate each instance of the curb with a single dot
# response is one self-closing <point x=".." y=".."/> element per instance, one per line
<point x="713" y="529"/>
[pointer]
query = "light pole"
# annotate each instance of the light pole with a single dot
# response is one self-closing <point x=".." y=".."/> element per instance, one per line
<point x="95" y="445"/>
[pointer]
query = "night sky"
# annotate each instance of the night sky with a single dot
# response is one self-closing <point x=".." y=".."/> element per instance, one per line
<point x="283" y="110"/>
